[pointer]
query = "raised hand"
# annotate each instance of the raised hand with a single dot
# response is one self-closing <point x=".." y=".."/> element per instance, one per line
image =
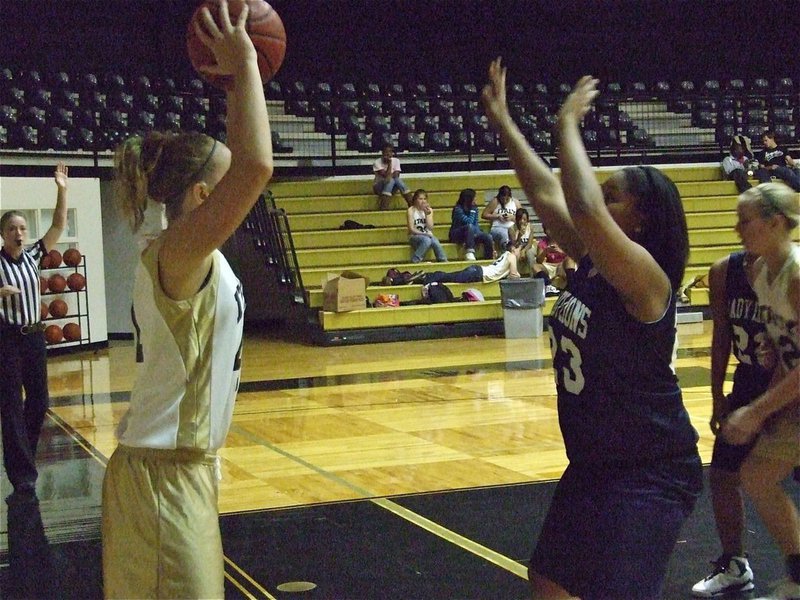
<point x="61" y="175"/>
<point x="494" y="94"/>
<point x="580" y="99"/>
<point x="231" y="45"/>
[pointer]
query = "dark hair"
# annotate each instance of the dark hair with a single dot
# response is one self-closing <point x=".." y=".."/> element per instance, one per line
<point x="417" y="193"/>
<point x="769" y="134"/>
<point x="664" y="233"/>
<point x="518" y="216"/>
<point x="504" y="191"/>
<point x="466" y="197"/>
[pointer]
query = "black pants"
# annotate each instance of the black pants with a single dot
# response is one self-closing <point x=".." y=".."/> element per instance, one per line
<point x="23" y="364"/>
<point x="789" y="176"/>
<point x="740" y="179"/>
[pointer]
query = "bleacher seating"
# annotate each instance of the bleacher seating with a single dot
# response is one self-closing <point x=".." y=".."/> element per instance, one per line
<point x="317" y="209"/>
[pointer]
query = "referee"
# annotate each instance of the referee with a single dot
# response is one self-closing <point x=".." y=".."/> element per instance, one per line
<point x="22" y="344"/>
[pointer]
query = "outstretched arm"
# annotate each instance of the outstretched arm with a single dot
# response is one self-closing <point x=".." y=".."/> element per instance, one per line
<point x="51" y="237"/>
<point x="190" y="240"/>
<point x="541" y="186"/>
<point x="720" y="342"/>
<point x="627" y="266"/>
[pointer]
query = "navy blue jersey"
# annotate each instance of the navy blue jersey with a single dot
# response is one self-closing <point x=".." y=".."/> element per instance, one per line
<point x="619" y="402"/>
<point x="750" y="380"/>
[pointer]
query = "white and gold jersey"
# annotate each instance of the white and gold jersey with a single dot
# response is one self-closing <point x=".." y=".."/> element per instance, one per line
<point x="189" y="360"/>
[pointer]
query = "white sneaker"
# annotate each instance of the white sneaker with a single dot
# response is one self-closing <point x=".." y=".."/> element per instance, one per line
<point x="733" y="576"/>
<point x="785" y="590"/>
<point x="470" y="255"/>
<point x="551" y="290"/>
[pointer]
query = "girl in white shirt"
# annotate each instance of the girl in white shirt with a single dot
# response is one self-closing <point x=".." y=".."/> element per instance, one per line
<point x="420" y="229"/>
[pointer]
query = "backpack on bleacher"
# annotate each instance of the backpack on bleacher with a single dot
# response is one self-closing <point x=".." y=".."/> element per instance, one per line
<point x="436" y="293"/>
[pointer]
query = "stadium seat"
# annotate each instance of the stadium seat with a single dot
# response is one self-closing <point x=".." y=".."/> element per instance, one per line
<point x="780" y="116"/>
<point x="87" y="82"/>
<point x="637" y="89"/>
<point x="662" y="88"/>
<point x="168" y="121"/>
<point x="417" y="90"/>
<point x="195" y="87"/>
<point x="148" y="102"/>
<point x="724" y="134"/>
<point x="753" y="131"/>
<point x="419" y="107"/>
<point x="119" y="100"/>
<point x="322" y="90"/>
<point x="348" y="123"/>
<point x="436" y="141"/>
<point x="346" y="91"/>
<point x="516" y="92"/>
<point x="371" y="108"/>
<point x="113" y="82"/>
<point x="39" y="98"/>
<point x="783" y="132"/>
<point x="760" y="86"/>
<point x="711" y="87"/>
<point x="65" y="98"/>
<point x="194" y="122"/>
<point x="377" y="125"/>
<point x="395" y="108"/>
<point x="540" y="141"/>
<point x="172" y="103"/>
<point x="273" y="90"/>
<point x="142" y="85"/>
<point x="612" y="89"/>
<point x="735" y="87"/>
<point x="639" y="138"/>
<point x="15" y="96"/>
<point x="487" y="141"/>
<point x="325" y="123"/>
<point x="403" y="124"/>
<point x="441" y="107"/>
<point x="427" y="124"/>
<point x="396" y="90"/>
<point x="60" y="117"/>
<point x="358" y="141"/>
<point x="53" y="138"/>
<point x="380" y="139"/>
<point x="450" y="123"/>
<point x="8" y="115"/>
<point x="195" y="104"/>
<point x="141" y="121"/>
<point x="165" y="86"/>
<point x="410" y="141"/>
<point x="278" y="145"/>
<point x="33" y="116"/>
<point x="30" y="80"/>
<point x="467" y="91"/>
<point x="704" y="119"/>
<point x="590" y="139"/>
<point x="371" y="91"/>
<point x="784" y="86"/>
<point x="460" y="140"/>
<point x="755" y="116"/>
<point x="58" y="80"/>
<point x="443" y="90"/>
<point x="80" y="138"/>
<point x="539" y="92"/>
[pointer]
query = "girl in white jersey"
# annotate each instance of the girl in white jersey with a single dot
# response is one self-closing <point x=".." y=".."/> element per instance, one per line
<point x="768" y="213"/>
<point x="160" y="524"/>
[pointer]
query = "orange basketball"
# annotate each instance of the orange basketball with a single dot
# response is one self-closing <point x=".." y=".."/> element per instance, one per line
<point x="264" y="27"/>
<point x="58" y="308"/>
<point x="55" y="258"/>
<point x="53" y="334"/>
<point x="57" y="283"/>
<point x="76" y="282"/>
<point x="72" y="332"/>
<point x="72" y="257"/>
<point x="46" y="262"/>
<point x="42" y="284"/>
<point x="43" y="311"/>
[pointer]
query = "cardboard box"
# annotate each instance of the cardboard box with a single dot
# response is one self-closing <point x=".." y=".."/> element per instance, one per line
<point x="344" y="292"/>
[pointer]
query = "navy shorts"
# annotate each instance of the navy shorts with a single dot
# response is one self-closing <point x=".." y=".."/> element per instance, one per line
<point x="609" y="532"/>
<point x="729" y="457"/>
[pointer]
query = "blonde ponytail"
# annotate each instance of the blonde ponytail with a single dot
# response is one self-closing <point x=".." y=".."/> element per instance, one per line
<point x="159" y="167"/>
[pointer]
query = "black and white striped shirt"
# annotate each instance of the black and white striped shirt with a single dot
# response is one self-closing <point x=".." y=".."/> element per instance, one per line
<point x="23" y="273"/>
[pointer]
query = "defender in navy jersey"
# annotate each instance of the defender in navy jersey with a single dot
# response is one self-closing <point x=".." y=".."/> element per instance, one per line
<point x="634" y="472"/>
<point x="22" y="345"/>
<point x="738" y="330"/>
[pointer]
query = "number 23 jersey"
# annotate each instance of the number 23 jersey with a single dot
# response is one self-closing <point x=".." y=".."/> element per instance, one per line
<point x="619" y="402"/>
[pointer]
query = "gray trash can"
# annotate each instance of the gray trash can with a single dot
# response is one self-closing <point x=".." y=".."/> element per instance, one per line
<point x="522" y="301"/>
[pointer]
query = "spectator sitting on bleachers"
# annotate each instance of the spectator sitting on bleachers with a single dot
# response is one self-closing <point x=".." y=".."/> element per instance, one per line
<point x="387" y="178"/>
<point x="500" y="211"/>
<point x="505" y="266"/>
<point x="521" y="236"/>
<point x="739" y="162"/>
<point x="776" y="162"/>
<point x="420" y="229"/>
<point x="552" y="264"/>
<point x="464" y="228"/>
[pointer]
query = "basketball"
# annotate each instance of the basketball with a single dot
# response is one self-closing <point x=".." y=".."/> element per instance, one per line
<point x="265" y="28"/>
<point x="72" y="257"/>
<point x="57" y="283"/>
<point x="46" y="262"/>
<point x="72" y="332"/>
<point x="53" y="334"/>
<point x="58" y="309"/>
<point x="42" y="284"/>
<point x="43" y="312"/>
<point x="76" y="282"/>
<point x="55" y="259"/>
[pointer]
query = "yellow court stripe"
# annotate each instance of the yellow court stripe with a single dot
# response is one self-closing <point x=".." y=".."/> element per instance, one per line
<point x="249" y="579"/>
<point x="465" y="543"/>
<point x="239" y="586"/>
<point x="90" y="450"/>
<point x="454" y="538"/>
